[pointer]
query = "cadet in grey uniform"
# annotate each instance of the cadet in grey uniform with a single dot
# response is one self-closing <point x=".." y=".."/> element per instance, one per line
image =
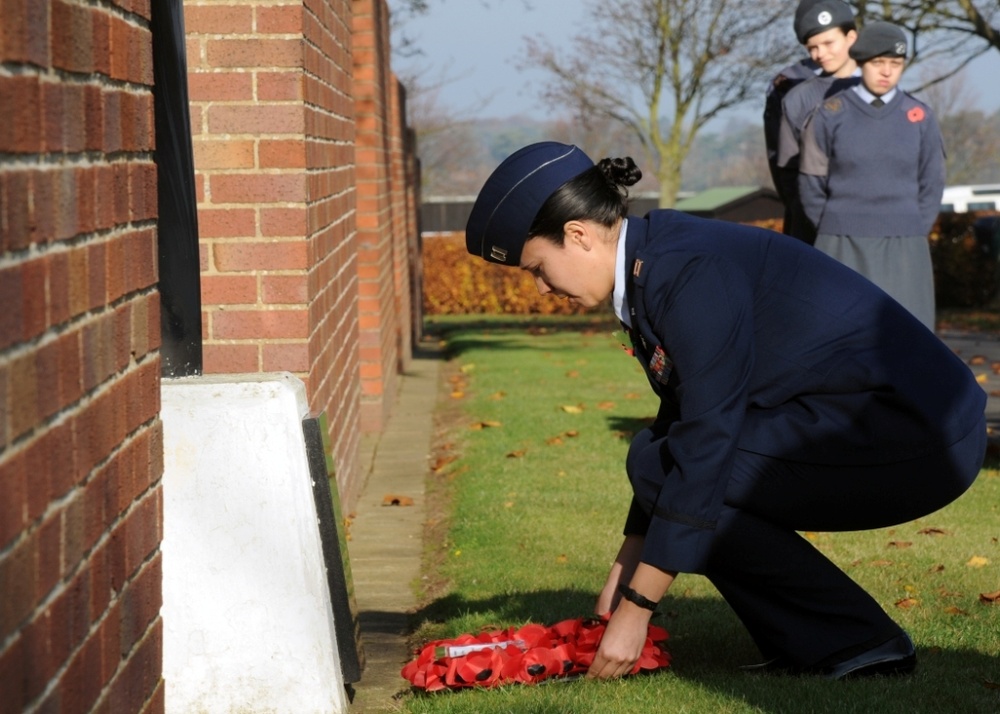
<point x="828" y="31"/>
<point x="872" y="174"/>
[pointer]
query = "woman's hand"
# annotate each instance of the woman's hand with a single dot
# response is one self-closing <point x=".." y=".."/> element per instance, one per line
<point x="622" y="643"/>
<point x="625" y="635"/>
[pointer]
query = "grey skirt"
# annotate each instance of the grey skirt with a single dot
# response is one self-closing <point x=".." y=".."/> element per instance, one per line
<point x="899" y="265"/>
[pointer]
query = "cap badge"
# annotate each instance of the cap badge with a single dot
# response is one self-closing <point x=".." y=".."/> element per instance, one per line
<point x="499" y="254"/>
<point x="900" y="48"/>
<point x="824" y="18"/>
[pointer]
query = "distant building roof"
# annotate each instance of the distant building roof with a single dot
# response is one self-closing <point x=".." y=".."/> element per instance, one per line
<point x="715" y="198"/>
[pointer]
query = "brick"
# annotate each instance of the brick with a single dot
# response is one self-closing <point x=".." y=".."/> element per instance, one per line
<point x="23" y="402"/>
<point x="12" y="316"/>
<point x="279" y="86"/>
<point x="260" y="324"/>
<point x="220" y="86"/>
<point x="283" y="222"/>
<point x="15" y="671"/>
<point x="72" y="37"/>
<point x="282" y="154"/>
<point x="20" y="109"/>
<point x="24" y="33"/>
<point x="13" y="496"/>
<point x="262" y="119"/>
<point x="224" y="20"/>
<point x="226" y="222"/>
<point x="258" y="188"/>
<point x="279" y="19"/>
<point x="228" y="289"/>
<point x="273" y="255"/>
<point x="284" y="289"/>
<point x="232" y="358"/>
<point x="291" y="357"/>
<point x="253" y="53"/>
<point x="19" y="574"/>
<point x="223" y="154"/>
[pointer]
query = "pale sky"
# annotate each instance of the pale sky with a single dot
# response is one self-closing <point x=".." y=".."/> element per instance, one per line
<point x="476" y="44"/>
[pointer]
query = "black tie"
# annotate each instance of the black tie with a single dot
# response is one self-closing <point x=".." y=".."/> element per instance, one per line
<point x="878" y="103"/>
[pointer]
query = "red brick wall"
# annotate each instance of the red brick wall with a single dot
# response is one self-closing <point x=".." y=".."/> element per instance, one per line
<point x="80" y="436"/>
<point x="301" y="214"/>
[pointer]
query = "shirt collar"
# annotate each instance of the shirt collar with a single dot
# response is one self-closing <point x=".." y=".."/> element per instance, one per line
<point x="619" y="298"/>
<point x="869" y="97"/>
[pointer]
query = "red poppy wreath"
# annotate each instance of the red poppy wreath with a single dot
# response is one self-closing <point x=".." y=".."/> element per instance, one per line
<point x="524" y="655"/>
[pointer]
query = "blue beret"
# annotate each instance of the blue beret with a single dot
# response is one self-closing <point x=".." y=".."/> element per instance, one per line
<point x="820" y="17"/>
<point x="512" y="195"/>
<point x="879" y="39"/>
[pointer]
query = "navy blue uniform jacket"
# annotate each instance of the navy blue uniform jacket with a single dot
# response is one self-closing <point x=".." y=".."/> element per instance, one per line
<point x="755" y="341"/>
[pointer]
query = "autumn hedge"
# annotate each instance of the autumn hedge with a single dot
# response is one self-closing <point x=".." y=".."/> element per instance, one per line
<point x="456" y="283"/>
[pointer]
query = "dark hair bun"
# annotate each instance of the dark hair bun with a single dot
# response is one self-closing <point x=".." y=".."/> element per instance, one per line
<point x="620" y="172"/>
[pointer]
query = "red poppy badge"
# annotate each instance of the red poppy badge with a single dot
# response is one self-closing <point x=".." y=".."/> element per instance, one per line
<point x="916" y="115"/>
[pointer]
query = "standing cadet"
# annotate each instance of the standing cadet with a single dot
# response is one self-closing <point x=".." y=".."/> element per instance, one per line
<point x="872" y="175"/>
<point x="828" y="31"/>
<point x="794" y="396"/>
<point x="783" y="82"/>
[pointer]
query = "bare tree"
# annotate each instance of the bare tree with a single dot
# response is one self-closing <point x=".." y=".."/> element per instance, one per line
<point x="947" y="33"/>
<point x="664" y="68"/>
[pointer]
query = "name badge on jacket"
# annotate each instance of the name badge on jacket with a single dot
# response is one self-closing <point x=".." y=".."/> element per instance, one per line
<point x="660" y="366"/>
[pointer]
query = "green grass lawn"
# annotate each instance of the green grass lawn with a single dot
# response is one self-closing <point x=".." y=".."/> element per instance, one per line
<point x="529" y="500"/>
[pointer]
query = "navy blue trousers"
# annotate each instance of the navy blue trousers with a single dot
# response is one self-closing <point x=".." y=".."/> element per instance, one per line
<point x="792" y="599"/>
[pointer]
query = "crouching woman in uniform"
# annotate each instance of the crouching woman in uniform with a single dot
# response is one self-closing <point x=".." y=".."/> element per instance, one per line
<point x="794" y="396"/>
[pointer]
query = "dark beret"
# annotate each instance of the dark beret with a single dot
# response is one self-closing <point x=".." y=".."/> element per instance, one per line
<point x="879" y="39"/>
<point x="509" y="200"/>
<point x="820" y="17"/>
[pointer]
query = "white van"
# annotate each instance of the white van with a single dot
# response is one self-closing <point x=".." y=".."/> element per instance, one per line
<point x="961" y="199"/>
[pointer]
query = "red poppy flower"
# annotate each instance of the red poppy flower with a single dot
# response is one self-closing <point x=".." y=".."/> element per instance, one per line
<point x="915" y="115"/>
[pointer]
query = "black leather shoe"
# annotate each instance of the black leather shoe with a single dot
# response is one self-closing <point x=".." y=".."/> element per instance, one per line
<point x="896" y="656"/>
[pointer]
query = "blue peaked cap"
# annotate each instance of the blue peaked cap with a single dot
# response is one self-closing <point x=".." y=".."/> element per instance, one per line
<point x="512" y="195"/>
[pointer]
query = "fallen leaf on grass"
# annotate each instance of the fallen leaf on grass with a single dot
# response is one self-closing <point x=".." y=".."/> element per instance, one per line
<point x="605" y="406"/>
<point x="990" y="598"/>
<point x="489" y="424"/>
<point x="952" y="610"/>
<point x="936" y="569"/>
<point x="573" y="408"/>
<point x="516" y="454"/>
<point x="976" y="360"/>
<point x="562" y="559"/>
<point x="995" y="366"/>
<point x="981" y="378"/>
<point x="457" y="395"/>
<point x="496" y="396"/>
<point x="392" y="499"/>
<point x="443" y="461"/>
<point x="933" y="531"/>
<point x="466" y="368"/>
<point x="990" y="685"/>
<point x="554" y="441"/>
<point x="978" y="561"/>
<point x="573" y="374"/>
<point x="881" y="563"/>
<point x="900" y="544"/>
<point x="907" y="602"/>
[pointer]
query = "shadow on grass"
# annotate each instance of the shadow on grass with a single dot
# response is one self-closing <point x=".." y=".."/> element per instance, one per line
<point x="708" y="644"/>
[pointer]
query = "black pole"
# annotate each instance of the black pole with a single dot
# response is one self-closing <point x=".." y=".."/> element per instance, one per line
<point x="180" y="272"/>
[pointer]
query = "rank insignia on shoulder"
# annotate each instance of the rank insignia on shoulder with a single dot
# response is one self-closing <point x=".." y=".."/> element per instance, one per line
<point x="661" y="365"/>
<point x="833" y="104"/>
<point x="636" y="267"/>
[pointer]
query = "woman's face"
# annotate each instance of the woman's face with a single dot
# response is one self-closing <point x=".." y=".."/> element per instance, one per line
<point x="831" y="51"/>
<point x="581" y="270"/>
<point x="881" y="74"/>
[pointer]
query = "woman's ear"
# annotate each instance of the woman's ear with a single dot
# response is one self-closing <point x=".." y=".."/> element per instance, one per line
<point x="577" y="232"/>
